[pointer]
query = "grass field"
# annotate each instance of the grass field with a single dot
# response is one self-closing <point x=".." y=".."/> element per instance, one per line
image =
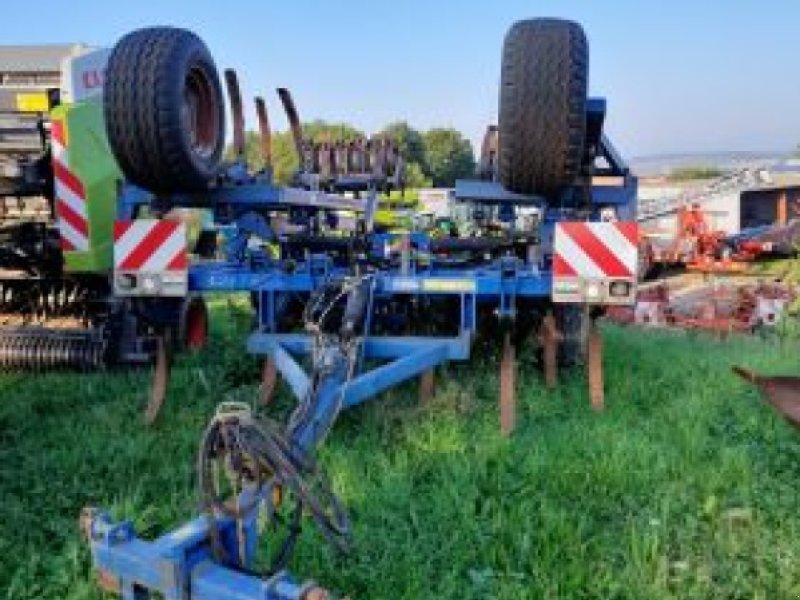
<point x="686" y="487"/>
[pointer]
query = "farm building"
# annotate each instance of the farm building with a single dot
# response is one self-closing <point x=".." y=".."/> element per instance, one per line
<point x="742" y="199"/>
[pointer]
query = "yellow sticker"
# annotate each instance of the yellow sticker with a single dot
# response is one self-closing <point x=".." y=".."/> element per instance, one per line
<point x="448" y="285"/>
<point x="33" y="102"/>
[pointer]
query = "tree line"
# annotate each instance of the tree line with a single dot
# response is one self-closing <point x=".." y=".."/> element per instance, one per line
<point x="433" y="158"/>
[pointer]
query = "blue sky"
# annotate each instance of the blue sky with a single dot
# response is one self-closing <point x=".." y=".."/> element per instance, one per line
<point x="679" y="75"/>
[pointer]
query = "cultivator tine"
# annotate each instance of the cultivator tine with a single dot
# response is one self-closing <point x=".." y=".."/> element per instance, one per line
<point x="264" y="132"/>
<point x="427" y="387"/>
<point x="161" y="372"/>
<point x="594" y="366"/>
<point x="294" y="119"/>
<point x="783" y="393"/>
<point x="549" y="338"/>
<point x="237" y="111"/>
<point x="508" y="395"/>
<point x="269" y="380"/>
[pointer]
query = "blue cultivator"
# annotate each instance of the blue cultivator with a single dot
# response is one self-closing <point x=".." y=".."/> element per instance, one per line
<point x="544" y="243"/>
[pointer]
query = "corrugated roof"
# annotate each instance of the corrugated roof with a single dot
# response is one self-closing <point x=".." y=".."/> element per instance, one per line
<point x="35" y="59"/>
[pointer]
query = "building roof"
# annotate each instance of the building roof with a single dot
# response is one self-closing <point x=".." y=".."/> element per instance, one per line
<point x="36" y="59"/>
<point x="790" y="165"/>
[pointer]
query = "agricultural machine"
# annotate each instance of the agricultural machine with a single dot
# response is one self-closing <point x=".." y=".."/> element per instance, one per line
<point x="698" y="247"/>
<point x="364" y="309"/>
<point x="58" y="198"/>
<point x="720" y="307"/>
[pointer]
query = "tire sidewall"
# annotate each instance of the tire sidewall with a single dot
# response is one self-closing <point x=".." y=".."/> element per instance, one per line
<point x="196" y="56"/>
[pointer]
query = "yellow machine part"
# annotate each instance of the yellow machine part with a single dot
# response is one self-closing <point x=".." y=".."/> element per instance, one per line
<point x="33" y="102"/>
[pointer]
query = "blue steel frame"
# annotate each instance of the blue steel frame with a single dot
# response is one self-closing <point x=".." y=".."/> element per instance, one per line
<point x="180" y="564"/>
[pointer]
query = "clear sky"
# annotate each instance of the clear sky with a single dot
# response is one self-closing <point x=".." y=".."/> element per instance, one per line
<point x="679" y="75"/>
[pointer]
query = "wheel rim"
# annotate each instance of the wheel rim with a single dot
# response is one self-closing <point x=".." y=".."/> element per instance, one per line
<point x="200" y="112"/>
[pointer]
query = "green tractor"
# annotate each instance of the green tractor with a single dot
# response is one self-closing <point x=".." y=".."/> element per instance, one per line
<point x="59" y="185"/>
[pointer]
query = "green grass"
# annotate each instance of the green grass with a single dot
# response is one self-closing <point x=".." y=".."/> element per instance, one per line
<point x="686" y="487"/>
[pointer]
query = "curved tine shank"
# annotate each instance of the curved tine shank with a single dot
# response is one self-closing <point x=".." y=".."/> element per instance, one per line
<point x="264" y="132"/>
<point x="237" y="112"/>
<point x="294" y="119"/>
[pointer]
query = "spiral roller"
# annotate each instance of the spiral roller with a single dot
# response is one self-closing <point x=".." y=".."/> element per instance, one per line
<point x="41" y="349"/>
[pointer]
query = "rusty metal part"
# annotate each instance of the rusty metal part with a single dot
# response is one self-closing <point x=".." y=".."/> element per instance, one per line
<point x="341" y="163"/>
<point x="508" y="395"/>
<point x="377" y="156"/>
<point x="782" y="392"/>
<point x="427" y="386"/>
<point x="324" y="159"/>
<point x="316" y="593"/>
<point x="161" y="372"/>
<point x="356" y="156"/>
<point x="237" y="111"/>
<point x="264" y="132"/>
<point x="594" y="366"/>
<point x="269" y="380"/>
<point x="85" y="520"/>
<point x="294" y="120"/>
<point x="549" y="338"/>
<point x="108" y="582"/>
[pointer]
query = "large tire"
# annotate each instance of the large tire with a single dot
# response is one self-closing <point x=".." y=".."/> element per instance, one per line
<point x="542" y="120"/>
<point x="164" y="110"/>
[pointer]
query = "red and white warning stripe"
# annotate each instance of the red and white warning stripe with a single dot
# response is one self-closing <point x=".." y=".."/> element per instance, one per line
<point x="596" y="250"/>
<point x="150" y="245"/>
<point x="73" y="224"/>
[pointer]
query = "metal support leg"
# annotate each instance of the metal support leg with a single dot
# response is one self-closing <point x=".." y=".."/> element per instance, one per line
<point x="269" y="379"/>
<point x="549" y="338"/>
<point x="594" y="365"/>
<point x="161" y="372"/>
<point x="427" y="387"/>
<point x="508" y="396"/>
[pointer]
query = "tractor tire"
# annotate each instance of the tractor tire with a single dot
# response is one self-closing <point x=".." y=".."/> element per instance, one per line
<point x="542" y="119"/>
<point x="164" y="110"/>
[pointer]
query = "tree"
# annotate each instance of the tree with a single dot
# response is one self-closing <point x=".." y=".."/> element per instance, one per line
<point x="411" y="146"/>
<point x="415" y="178"/>
<point x="448" y="156"/>
<point x="437" y="157"/>
<point x="409" y="142"/>
<point x="695" y="173"/>
<point x="285" y="161"/>
<point x="322" y="131"/>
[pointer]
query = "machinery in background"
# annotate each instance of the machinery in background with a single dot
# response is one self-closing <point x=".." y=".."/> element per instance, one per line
<point x="697" y="246"/>
<point x="58" y="201"/>
<point x="778" y="241"/>
<point x="721" y="307"/>
<point x="368" y="309"/>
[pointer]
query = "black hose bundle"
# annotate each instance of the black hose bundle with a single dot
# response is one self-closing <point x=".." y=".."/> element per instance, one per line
<point x="255" y="455"/>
